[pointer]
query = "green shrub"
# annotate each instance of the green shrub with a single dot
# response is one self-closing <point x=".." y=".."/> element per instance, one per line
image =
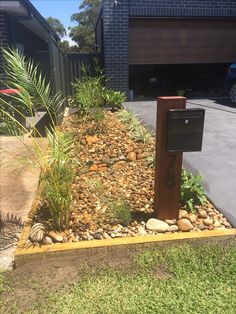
<point x="88" y="92"/>
<point x="114" y="98"/>
<point x="192" y="191"/>
<point x="120" y="213"/>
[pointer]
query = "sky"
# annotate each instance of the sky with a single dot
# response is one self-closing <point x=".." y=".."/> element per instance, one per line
<point x="60" y="9"/>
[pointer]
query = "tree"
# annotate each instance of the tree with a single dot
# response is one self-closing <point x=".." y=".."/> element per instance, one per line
<point x="84" y="32"/>
<point x="57" y="26"/>
<point x="65" y="46"/>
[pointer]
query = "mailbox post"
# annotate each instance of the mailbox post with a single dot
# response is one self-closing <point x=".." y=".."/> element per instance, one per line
<point x="178" y="130"/>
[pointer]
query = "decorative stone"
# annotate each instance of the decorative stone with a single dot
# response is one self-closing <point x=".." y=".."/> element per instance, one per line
<point x="55" y="236"/>
<point x="92" y="139"/>
<point x="132" y="156"/>
<point x="37" y="232"/>
<point x="106" y="236"/>
<point x="208" y="221"/>
<point x="122" y="157"/>
<point x="183" y="214"/>
<point x="170" y="221"/>
<point x="173" y="228"/>
<point x="202" y="214"/>
<point x="192" y="218"/>
<point x="93" y="168"/>
<point x="212" y="214"/>
<point x="217" y="224"/>
<point x="184" y="225"/>
<point x="107" y="161"/>
<point x="226" y="224"/>
<point x="156" y="225"/>
<point x="201" y="226"/>
<point x="142" y="231"/>
<point x="47" y="241"/>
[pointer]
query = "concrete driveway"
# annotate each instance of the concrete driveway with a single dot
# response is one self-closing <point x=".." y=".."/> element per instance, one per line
<point x="217" y="161"/>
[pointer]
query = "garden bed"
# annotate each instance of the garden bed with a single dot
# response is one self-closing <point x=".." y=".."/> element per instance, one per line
<point x="113" y="189"/>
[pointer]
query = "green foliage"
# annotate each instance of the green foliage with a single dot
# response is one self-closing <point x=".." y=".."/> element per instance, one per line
<point x="83" y="34"/>
<point x="120" y="213"/>
<point x="89" y="92"/>
<point x="57" y="26"/>
<point x="138" y="132"/>
<point x="114" y="98"/>
<point x="34" y="91"/>
<point x="192" y="191"/>
<point x="53" y="162"/>
<point x="57" y="191"/>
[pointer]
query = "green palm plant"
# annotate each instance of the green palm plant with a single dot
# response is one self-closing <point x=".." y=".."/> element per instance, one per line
<point x="53" y="161"/>
<point x="34" y="91"/>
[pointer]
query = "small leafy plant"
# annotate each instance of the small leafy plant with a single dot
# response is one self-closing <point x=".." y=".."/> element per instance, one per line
<point x="114" y="99"/>
<point x="192" y="191"/>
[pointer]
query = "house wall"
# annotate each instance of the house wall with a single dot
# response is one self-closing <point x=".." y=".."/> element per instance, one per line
<point x="115" y="39"/>
<point x="116" y="27"/>
<point x="28" y="39"/>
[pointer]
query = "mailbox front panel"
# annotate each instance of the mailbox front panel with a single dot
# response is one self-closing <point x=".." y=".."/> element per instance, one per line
<point x="185" y="130"/>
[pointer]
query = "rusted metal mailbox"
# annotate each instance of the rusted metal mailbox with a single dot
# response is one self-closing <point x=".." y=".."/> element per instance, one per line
<point x="185" y="130"/>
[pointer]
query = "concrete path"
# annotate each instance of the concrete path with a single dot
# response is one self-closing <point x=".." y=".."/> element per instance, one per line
<point x="18" y="181"/>
<point x="18" y="184"/>
<point x="217" y="161"/>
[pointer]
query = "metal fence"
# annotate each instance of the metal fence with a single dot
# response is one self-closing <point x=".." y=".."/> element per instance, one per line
<point x="74" y="62"/>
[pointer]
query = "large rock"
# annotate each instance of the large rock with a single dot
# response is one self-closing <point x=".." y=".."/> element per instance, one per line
<point x="192" y="218"/>
<point x="183" y="213"/>
<point x="156" y="225"/>
<point x="208" y="221"/>
<point x="184" y="225"/>
<point x="173" y="228"/>
<point x="55" y="236"/>
<point x="202" y="214"/>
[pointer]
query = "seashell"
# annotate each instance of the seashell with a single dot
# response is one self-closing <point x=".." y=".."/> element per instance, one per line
<point x="37" y="232"/>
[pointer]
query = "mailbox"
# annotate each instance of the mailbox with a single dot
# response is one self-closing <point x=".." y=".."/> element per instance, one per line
<point x="185" y="130"/>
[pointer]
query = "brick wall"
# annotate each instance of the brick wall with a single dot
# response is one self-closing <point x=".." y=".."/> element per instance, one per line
<point x="116" y="21"/>
<point x="115" y="26"/>
<point x="4" y="38"/>
<point x="183" y="8"/>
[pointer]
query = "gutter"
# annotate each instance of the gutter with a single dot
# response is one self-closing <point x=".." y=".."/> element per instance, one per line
<point x="33" y="12"/>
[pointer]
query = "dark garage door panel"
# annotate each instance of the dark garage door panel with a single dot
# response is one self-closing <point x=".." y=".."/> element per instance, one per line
<point x="168" y="41"/>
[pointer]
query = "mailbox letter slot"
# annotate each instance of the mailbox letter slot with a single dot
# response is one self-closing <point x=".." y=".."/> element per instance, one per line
<point x="185" y="130"/>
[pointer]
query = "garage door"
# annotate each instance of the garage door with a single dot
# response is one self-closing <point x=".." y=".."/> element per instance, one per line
<point x="179" y="41"/>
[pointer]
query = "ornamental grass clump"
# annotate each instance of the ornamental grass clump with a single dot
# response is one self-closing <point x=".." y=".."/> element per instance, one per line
<point x="138" y="131"/>
<point x="53" y="160"/>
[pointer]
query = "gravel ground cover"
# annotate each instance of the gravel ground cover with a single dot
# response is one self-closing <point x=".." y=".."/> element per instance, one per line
<point x="113" y="190"/>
